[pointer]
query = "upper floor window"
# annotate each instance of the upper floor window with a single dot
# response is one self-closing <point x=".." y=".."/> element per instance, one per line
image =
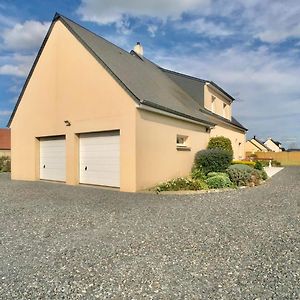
<point x="213" y="104"/>
<point x="224" y="110"/>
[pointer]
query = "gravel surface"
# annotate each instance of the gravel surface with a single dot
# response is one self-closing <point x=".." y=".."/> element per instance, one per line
<point x="64" y="242"/>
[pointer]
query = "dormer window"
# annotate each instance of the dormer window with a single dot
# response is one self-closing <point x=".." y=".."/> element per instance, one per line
<point x="224" y="110"/>
<point x="213" y="104"/>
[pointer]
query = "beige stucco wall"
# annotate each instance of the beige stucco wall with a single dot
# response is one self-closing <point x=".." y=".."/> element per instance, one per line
<point x="249" y="147"/>
<point x="157" y="156"/>
<point x="4" y="152"/>
<point x="219" y="101"/>
<point x="237" y="137"/>
<point x="69" y="84"/>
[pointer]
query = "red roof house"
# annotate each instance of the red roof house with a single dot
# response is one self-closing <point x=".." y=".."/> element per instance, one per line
<point x="4" y="139"/>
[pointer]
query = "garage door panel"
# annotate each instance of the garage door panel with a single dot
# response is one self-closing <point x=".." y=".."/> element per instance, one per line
<point x="100" y="158"/>
<point x="53" y="158"/>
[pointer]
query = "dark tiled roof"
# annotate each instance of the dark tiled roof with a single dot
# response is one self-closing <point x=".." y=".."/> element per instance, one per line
<point x="142" y="78"/>
<point x="260" y="143"/>
<point x="4" y="139"/>
<point x="195" y="88"/>
<point x="144" y="81"/>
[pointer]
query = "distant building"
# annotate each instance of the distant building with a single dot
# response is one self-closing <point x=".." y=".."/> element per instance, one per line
<point x="4" y="142"/>
<point x="293" y="150"/>
<point x="274" y="145"/>
<point x="255" y="145"/>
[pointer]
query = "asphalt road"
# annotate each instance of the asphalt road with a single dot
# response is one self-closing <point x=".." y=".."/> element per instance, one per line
<point x="64" y="242"/>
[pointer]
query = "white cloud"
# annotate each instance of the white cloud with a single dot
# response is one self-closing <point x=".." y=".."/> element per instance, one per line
<point x="16" y="65"/>
<point x="11" y="70"/>
<point x="107" y="11"/>
<point x="204" y="27"/>
<point x="26" y="36"/>
<point x="266" y="82"/>
<point x="152" y="28"/>
<point x="5" y="112"/>
<point x="271" y="21"/>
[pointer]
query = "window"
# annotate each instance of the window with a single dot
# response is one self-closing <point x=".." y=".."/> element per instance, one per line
<point x="224" y="110"/>
<point x="181" y="142"/>
<point x="213" y="104"/>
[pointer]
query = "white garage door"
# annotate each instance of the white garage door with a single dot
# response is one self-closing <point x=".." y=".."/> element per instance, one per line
<point x="100" y="158"/>
<point x="53" y="158"/>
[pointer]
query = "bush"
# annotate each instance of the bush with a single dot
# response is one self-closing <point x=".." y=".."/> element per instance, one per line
<point x="212" y="160"/>
<point x="4" y="164"/>
<point x="243" y="162"/>
<point x="264" y="163"/>
<point x="276" y="163"/>
<point x="218" y="182"/>
<point x="264" y="175"/>
<point x="220" y="142"/>
<point x="212" y="174"/>
<point x="243" y="175"/>
<point x="258" y="166"/>
<point x="182" y="183"/>
<point x="197" y="173"/>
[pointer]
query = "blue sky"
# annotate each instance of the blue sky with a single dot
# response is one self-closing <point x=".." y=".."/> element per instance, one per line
<point x="249" y="47"/>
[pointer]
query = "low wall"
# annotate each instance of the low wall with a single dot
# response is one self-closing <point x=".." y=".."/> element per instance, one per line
<point x="285" y="158"/>
<point x="4" y="152"/>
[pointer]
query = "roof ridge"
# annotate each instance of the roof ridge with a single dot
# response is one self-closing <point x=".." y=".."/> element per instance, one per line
<point x="184" y="75"/>
<point x="57" y="16"/>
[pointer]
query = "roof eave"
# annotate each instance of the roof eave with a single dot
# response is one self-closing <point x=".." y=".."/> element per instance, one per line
<point x="151" y="106"/>
<point x="219" y="90"/>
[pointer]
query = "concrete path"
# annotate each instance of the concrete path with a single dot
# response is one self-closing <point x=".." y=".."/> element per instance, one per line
<point x="271" y="171"/>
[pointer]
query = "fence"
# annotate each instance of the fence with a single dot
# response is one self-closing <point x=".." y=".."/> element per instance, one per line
<point x="285" y="158"/>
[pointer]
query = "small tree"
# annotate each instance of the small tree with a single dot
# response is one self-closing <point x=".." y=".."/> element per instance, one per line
<point x="212" y="160"/>
<point x="220" y="142"/>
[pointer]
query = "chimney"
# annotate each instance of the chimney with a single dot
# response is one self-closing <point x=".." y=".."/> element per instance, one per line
<point x="138" y="49"/>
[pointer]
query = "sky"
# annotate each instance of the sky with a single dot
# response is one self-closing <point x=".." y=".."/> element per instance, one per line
<point x="251" y="48"/>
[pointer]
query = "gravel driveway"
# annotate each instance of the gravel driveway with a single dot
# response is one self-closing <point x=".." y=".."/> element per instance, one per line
<point x="64" y="242"/>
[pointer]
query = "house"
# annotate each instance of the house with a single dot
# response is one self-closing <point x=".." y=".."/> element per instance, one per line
<point x="274" y="145"/>
<point x="293" y="150"/>
<point x="4" y="142"/>
<point x="255" y="145"/>
<point x="92" y="113"/>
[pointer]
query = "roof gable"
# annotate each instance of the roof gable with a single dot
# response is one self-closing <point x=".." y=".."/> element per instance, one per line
<point x="147" y="83"/>
<point x="142" y="79"/>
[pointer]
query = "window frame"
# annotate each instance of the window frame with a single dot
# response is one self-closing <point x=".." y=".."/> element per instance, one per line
<point x="184" y="144"/>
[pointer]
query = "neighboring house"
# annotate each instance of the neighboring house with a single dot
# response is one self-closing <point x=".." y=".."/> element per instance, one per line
<point x="92" y="113"/>
<point x="255" y="145"/>
<point x="274" y="145"/>
<point x="293" y="150"/>
<point x="4" y="142"/>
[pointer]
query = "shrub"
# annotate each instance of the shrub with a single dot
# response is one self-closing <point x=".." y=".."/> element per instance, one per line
<point x="243" y="175"/>
<point x="4" y="164"/>
<point x="220" y="142"/>
<point x="276" y="163"/>
<point x="243" y="162"/>
<point x="212" y="174"/>
<point x="264" y="163"/>
<point x="258" y="166"/>
<point x="212" y="160"/>
<point x="218" y="182"/>
<point x="182" y="183"/>
<point x="264" y="175"/>
<point x="197" y="173"/>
